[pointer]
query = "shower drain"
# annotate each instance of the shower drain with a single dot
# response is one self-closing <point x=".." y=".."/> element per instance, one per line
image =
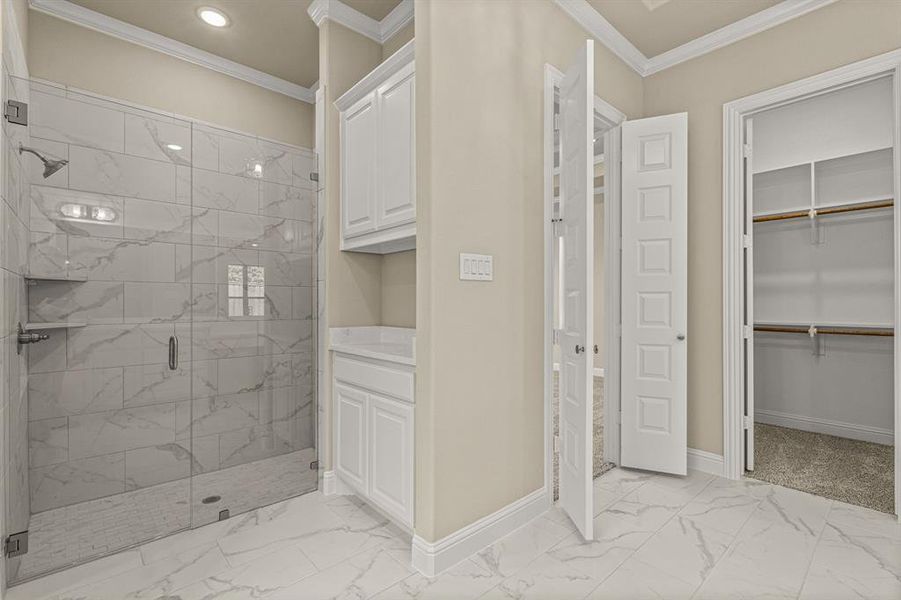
<point x="211" y="499"/>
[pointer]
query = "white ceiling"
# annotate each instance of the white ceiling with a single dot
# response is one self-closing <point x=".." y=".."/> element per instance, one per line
<point x="655" y="26"/>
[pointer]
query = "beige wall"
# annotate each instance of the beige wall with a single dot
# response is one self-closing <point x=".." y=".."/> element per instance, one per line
<point x="72" y="55"/>
<point x="399" y="289"/>
<point x="479" y="119"/>
<point x="392" y="45"/>
<point x="824" y="39"/>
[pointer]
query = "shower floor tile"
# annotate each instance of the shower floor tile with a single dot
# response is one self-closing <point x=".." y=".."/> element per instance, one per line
<point x="75" y="534"/>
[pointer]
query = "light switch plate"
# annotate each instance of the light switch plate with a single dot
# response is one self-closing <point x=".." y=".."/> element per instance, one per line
<point x="476" y="267"/>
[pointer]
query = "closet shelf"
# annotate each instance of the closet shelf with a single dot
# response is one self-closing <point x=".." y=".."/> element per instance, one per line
<point x="825" y="330"/>
<point x="826" y="210"/>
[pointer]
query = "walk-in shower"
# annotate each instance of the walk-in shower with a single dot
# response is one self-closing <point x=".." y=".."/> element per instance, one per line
<point x="161" y="235"/>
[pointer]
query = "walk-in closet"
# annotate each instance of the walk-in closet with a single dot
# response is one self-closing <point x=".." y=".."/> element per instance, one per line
<point x="821" y="294"/>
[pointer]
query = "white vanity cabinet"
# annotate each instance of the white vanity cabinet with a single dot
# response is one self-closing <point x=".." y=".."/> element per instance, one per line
<point x="373" y="404"/>
<point x="378" y="167"/>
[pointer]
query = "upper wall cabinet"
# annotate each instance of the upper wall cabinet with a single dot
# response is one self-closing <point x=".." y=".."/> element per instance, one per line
<point x="378" y="174"/>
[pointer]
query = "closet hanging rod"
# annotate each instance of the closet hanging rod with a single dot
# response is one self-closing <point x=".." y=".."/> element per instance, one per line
<point x="828" y="210"/>
<point x="827" y="330"/>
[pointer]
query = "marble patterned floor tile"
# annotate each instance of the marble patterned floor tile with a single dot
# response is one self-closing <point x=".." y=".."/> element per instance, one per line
<point x="721" y="507"/>
<point x="259" y="578"/>
<point x="853" y="562"/>
<point x="768" y="559"/>
<point x="685" y="550"/>
<point x="99" y="570"/>
<point x="464" y="581"/>
<point x="158" y="579"/>
<point x="362" y="576"/>
<point x="636" y="580"/>
<point x="516" y="550"/>
<point x="548" y="576"/>
<point x="600" y="557"/>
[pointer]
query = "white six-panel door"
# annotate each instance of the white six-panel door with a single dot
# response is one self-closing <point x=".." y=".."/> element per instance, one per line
<point x="576" y="365"/>
<point x="654" y="294"/>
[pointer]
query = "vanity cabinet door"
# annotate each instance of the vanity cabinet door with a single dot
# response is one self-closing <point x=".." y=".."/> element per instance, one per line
<point x="391" y="456"/>
<point x="396" y="202"/>
<point x="358" y="168"/>
<point x="352" y="461"/>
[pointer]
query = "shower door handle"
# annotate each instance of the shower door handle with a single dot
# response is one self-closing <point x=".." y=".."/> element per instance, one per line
<point x="173" y="353"/>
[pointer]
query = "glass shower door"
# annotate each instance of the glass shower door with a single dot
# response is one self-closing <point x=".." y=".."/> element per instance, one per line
<point x="110" y="233"/>
<point x="253" y="407"/>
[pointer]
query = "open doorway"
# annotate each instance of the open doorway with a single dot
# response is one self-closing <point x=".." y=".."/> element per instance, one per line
<point x="814" y="404"/>
<point x="606" y="119"/>
<point x="615" y="290"/>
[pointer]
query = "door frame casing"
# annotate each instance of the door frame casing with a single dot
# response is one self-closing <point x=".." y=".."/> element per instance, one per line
<point x="552" y="78"/>
<point x="734" y="115"/>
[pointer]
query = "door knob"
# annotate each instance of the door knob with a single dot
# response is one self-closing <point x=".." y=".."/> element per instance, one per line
<point x="680" y="337"/>
<point x="579" y="349"/>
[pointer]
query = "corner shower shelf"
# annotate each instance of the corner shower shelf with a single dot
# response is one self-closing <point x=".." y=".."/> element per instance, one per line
<point x="51" y="278"/>
<point x="42" y="326"/>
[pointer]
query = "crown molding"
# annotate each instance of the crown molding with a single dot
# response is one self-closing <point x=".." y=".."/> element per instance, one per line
<point x="397" y="19"/>
<point x="602" y="30"/>
<point x="377" y="31"/>
<point x="739" y="30"/>
<point x="63" y="9"/>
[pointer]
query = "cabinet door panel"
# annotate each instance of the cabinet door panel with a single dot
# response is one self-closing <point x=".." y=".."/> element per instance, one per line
<point x="397" y="147"/>
<point x="352" y="461"/>
<point x="358" y="168"/>
<point x="391" y="460"/>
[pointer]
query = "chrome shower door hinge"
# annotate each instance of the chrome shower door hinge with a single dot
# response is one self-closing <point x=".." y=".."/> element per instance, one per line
<point x="16" y="544"/>
<point x="16" y="112"/>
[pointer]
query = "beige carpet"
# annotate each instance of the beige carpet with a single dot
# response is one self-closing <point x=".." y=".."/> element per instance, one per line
<point x="851" y="471"/>
<point x="599" y="467"/>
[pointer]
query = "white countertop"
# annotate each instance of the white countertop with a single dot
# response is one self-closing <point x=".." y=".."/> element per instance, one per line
<point x="393" y="344"/>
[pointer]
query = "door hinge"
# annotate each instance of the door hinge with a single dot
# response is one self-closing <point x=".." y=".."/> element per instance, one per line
<point x="746" y="150"/>
<point x="556" y="444"/>
<point x="16" y="544"/>
<point x="16" y="112"/>
<point x="314" y="466"/>
<point x="555" y="223"/>
<point x="747" y="331"/>
<point x="746" y="422"/>
<point x="556" y="336"/>
<point x="747" y="241"/>
<point x="557" y="122"/>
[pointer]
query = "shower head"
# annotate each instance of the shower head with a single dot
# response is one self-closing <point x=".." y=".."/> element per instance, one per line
<point x="50" y="166"/>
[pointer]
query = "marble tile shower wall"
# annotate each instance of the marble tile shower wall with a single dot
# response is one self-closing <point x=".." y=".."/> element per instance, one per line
<point x="210" y="240"/>
<point x="14" y="219"/>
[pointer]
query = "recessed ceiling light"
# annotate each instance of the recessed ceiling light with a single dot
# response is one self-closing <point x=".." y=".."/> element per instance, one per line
<point x="174" y="147"/>
<point x="212" y="16"/>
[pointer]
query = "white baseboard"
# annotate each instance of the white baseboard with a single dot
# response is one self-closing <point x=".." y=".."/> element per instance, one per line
<point x="432" y="558"/>
<point x="851" y="431"/>
<point x="706" y="462"/>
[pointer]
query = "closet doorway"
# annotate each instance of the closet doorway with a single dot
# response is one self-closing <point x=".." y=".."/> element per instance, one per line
<point x="813" y="203"/>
